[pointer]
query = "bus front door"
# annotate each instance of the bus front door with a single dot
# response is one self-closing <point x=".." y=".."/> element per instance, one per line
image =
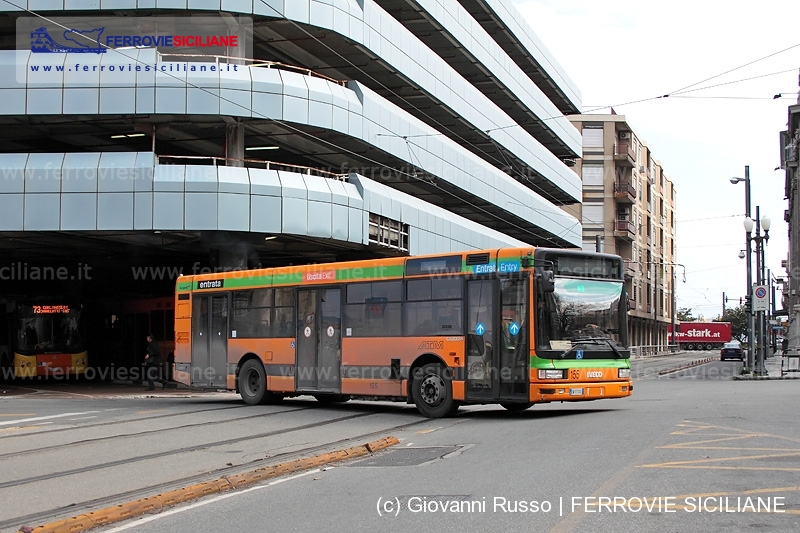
<point x="319" y="340"/>
<point x="497" y="357"/>
<point x="209" y="340"/>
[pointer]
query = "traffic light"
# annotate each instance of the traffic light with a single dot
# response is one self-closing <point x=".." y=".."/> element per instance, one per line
<point x="747" y="303"/>
<point x="740" y="300"/>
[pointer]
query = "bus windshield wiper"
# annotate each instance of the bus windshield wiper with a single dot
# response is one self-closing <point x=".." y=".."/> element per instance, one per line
<point x="595" y="340"/>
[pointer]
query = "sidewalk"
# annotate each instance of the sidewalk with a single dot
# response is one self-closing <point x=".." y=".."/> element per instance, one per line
<point x="773" y="367"/>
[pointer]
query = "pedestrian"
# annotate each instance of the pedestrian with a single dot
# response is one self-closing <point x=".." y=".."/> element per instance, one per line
<point x="152" y="362"/>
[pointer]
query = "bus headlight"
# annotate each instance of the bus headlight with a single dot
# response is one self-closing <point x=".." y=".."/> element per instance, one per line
<point x="624" y="372"/>
<point x="551" y="374"/>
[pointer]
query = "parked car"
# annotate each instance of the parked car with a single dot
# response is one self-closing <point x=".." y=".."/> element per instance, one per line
<point x="731" y="350"/>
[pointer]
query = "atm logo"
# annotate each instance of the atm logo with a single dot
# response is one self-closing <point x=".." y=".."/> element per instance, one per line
<point x="431" y="345"/>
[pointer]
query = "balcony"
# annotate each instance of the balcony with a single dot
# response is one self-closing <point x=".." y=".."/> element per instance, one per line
<point x="624" y="229"/>
<point x="624" y="192"/>
<point x="624" y="154"/>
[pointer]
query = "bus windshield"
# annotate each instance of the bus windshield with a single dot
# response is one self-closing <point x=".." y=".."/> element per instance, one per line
<point x="585" y="311"/>
<point x="49" y="329"/>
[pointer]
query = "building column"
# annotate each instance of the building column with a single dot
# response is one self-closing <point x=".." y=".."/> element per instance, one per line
<point x="234" y="145"/>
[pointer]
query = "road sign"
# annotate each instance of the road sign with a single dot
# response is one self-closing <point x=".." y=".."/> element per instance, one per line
<point x="760" y="299"/>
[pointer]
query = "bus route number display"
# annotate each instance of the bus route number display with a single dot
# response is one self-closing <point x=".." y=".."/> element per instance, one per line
<point x="49" y="309"/>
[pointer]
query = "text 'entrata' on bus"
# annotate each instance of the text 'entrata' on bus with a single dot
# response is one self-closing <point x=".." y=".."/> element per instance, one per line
<point x="511" y="326"/>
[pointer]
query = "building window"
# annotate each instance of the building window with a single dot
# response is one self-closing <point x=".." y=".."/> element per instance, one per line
<point x="592" y="137"/>
<point x="387" y="232"/>
<point x="592" y="214"/>
<point x="592" y="175"/>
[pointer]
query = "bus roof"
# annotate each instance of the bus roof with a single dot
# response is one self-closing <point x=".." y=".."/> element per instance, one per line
<point x="468" y="262"/>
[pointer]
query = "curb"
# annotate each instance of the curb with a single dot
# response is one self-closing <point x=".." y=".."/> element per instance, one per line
<point x="159" y="502"/>
<point x="684" y="367"/>
<point x="764" y="378"/>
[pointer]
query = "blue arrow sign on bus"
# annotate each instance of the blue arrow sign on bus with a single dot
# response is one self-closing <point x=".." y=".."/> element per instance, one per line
<point x="513" y="328"/>
<point x="480" y="329"/>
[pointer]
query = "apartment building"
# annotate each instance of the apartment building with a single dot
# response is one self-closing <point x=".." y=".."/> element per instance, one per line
<point x="790" y="142"/>
<point x="629" y="203"/>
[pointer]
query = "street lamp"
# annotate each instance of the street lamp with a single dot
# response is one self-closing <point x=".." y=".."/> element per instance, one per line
<point x="761" y="241"/>
<point x="749" y="259"/>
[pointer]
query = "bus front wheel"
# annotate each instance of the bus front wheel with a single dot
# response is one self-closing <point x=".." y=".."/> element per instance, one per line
<point x="432" y="392"/>
<point x="253" y="384"/>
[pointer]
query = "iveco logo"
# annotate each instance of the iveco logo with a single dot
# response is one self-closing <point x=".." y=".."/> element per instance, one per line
<point x="595" y="374"/>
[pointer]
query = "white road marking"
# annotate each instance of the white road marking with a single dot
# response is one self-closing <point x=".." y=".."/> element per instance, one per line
<point x="137" y="523"/>
<point x="37" y="418"/>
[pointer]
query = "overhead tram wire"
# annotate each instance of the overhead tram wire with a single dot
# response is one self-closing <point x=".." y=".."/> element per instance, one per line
<point x="534" y="184"/>
<point x="299" y="131"/>
<point x="411" y="105"/>
<point x="683" y="89"/>
<point x="533" y="234"/>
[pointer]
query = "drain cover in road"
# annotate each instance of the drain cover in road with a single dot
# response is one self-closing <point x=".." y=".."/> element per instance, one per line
<point x="405" y="456"/>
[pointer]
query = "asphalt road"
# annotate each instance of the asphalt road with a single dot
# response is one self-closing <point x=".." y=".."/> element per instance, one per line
<point x="690" y="450"/>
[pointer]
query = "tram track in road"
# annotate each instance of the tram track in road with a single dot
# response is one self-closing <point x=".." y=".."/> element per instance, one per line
<point x="178" y="451"/>
<point x="657" y="366"/>
<point x="118" y="498"/>
<point x="137" y="433"/>
<point x="49" y="431"/>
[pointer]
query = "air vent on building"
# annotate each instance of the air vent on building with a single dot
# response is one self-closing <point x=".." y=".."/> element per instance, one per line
<point x="477" y="259"/>
<point x="624" y="135"/>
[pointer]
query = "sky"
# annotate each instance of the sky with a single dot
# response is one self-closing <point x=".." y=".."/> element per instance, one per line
<point x="619" y="53"/>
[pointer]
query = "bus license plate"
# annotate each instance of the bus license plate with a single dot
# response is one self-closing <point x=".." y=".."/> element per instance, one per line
<point x="576" y="392"/>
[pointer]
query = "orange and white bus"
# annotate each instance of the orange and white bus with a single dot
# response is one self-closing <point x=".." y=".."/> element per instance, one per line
<point x="49" y="339"/>
<point x="510" y="326"/>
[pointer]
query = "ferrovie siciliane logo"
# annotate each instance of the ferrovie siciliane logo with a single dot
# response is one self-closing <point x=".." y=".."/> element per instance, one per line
<point x="94" y="41"/>
<point x="80" y="41"/>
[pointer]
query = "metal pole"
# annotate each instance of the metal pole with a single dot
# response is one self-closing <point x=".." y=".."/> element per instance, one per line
<point x="722" y="316"/>
<point x="674" y="335"/>
<point x="770" y="316"/>
<point x="750" y="321"/>
<point x="759" y="369"/>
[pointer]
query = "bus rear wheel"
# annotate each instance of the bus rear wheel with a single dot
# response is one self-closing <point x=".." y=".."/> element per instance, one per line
<point x="432" y="392"/>
<point x="253" y="384"/>
<point x="515" y="407"/>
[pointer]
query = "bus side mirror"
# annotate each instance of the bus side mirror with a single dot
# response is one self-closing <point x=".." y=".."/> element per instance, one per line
<point x="546" y="280"/>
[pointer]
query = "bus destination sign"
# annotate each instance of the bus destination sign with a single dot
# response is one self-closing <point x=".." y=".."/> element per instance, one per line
<point x="210" y="284"/>
<point x="49" y="309"/>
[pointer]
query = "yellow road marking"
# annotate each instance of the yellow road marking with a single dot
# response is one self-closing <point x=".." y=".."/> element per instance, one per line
<point x="769" y="435"/>
<point x="745" y="448"/>
<point x="709" y="467"/>
<point x="736" y="437"/>
<point x="692" y="430"/>
<point x="717" y="459"/>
